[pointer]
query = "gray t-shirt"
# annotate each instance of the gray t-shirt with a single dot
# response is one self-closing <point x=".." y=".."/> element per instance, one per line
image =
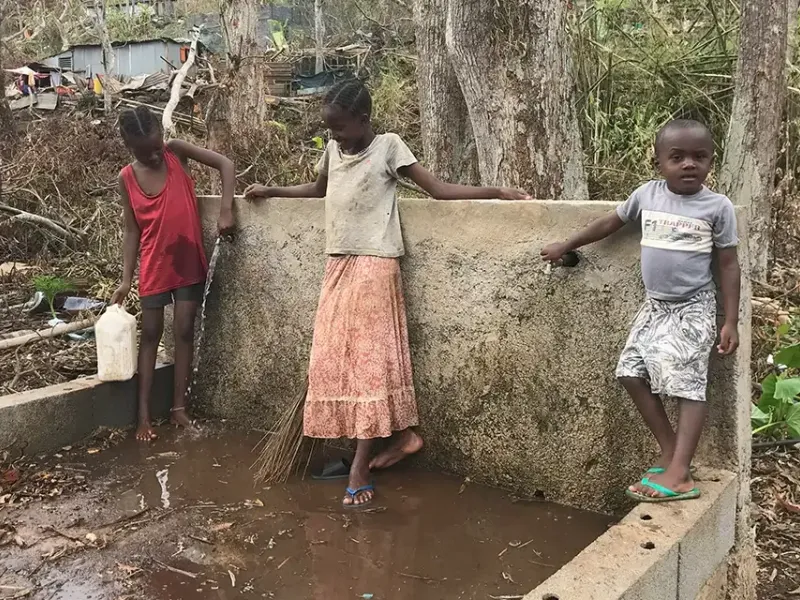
<point x="678" y="235"/>
<point x="361" y="214"/>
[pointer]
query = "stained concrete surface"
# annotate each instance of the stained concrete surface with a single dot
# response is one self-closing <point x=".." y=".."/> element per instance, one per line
<point x="182" y="520"/>
<point x="513" y="362"/>
<point x="47" y="418"/>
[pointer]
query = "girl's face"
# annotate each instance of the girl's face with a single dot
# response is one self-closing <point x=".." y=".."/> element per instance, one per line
<point x="347" y="129"/>
<point x="148" y="150"/>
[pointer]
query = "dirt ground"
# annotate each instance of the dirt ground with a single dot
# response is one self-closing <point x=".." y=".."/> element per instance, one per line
<point x="776" y="512"/>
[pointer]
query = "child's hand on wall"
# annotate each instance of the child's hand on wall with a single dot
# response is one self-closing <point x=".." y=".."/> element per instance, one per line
<point x="256" y="191"/>
<point x="512" y="194"/>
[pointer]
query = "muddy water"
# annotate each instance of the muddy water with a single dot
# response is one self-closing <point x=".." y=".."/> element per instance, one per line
<point x="181" y="519"/>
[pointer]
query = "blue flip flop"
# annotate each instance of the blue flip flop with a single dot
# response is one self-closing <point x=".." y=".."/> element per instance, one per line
<point x="668" y="494"/>
<point x="356" y="492"/>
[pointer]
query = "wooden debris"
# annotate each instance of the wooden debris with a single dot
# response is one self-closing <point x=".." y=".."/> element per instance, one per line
<point x="176" y="570"/>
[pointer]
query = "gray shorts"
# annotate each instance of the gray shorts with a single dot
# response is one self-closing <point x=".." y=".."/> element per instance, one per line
<point x="669" y="346"/>
<point x="190" y="293"/>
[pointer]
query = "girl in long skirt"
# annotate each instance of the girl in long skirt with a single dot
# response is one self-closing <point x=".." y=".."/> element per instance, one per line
<point x="360" y="384"/>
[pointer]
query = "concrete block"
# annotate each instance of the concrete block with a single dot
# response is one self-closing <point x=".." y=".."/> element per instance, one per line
<point x="716" y="588"/>
<point x="707" y="544"/>
<point x="640" y="558"/>
<point x="48" y="418"/>
<point x="628" y="562"/>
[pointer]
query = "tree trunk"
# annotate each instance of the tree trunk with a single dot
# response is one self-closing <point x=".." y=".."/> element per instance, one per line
<point x="748" y="170"/>
<point x="6" y="119"/>
<point x="239" y="105"/>
<point x="447" y="140"/>
<point x="319" y="36"/>
<point x="513" y="61"/>
<point x="793" y="6"/>
<point x="108" y="53"/>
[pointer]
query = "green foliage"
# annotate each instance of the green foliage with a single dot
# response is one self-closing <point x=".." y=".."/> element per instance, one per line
<point x="640" y="64"/>
<point x="778" y="410"/>
<point x="51" y="286"/>
<point x="123" y="27"/>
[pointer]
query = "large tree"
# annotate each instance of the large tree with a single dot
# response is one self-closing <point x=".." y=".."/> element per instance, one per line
<point x="748" y="169"/>
<point x="513" y="62"/>
<point x="6" y="121"/>
<point x="448" y="143"/>
<point x="239" y="106"/>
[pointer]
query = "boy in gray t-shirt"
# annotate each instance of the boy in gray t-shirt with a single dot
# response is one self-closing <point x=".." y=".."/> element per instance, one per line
<point x="668" y="348"/>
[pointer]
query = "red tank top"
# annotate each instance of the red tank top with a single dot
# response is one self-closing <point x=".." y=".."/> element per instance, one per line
<point x="171" y="240"/>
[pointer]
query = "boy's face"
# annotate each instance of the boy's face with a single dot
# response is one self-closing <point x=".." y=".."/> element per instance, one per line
<point x="147" y="150"/>
<point x="347" y="129"/>
<point x="684" y="157"/>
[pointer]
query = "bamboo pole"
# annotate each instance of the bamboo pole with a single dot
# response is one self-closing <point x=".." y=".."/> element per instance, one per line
<point x="43" y="334"/>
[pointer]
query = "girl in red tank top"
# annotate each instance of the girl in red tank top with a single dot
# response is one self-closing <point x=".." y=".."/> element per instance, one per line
<point x="162" y="226"/>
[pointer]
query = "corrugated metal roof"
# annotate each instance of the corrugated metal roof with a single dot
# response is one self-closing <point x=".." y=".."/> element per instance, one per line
<point x="178" y="41"/>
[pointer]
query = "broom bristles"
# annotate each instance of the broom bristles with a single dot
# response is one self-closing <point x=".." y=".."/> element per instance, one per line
<point x="280" y="448"/>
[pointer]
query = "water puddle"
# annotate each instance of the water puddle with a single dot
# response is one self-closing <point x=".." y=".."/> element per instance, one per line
<point x="200" y="529"/>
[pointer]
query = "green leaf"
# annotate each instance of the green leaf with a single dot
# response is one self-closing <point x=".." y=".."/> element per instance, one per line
<point x="783" y="329"/>
<point x="789" y="356"/>
<point x="768" y="392"/>
<point x="318" y="142"/>
<point x="758" y="418"/>
<point x="793" y="421"/>
<point x="787" y="389"/>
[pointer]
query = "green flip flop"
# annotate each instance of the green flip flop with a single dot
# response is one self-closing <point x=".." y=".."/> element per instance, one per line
<point x="668" y="494"/>
<point x="655" y="470"/>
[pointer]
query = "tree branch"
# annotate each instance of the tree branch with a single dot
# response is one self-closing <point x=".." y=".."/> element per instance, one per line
<point x="175" y="95"/>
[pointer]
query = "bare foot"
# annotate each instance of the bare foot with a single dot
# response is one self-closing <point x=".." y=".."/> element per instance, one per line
<point x="145" y="433"/>
<point x="406" y="443"/>
<point x="675" y="481"/>
<point x="179" y="418"/>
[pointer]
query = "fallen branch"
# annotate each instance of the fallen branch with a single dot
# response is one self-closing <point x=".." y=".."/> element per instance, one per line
<point x="178" y="117"/>
<point x="174" y="570"/>
<point x="175" y="96"/>
<point x="43" y="334"/>
<point x="21" y="215"/>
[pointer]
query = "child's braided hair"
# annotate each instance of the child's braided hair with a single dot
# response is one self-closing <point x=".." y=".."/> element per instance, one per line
<point x="350" y="95"/>
<point x="138" y="122"/>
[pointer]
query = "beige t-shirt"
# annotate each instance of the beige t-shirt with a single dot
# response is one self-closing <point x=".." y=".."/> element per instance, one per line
<point x="361" y="214"/>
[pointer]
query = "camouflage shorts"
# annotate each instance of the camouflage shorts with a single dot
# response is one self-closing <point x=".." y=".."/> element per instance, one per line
<point x="669" y="346"/>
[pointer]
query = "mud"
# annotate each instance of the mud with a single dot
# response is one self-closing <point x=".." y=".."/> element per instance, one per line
<point x="182" y="519"/>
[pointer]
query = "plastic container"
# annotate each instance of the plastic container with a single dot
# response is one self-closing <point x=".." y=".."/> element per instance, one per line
<point x="115" y="333"/>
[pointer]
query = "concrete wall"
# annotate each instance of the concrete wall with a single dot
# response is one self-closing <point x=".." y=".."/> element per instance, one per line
<point x="514" y="365"/>
<point x="48" y="418"/>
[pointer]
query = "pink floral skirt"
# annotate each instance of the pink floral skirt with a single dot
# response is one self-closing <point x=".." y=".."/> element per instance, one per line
<point x="359" y="381"/>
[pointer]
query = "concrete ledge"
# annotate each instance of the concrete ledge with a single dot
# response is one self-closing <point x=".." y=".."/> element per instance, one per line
<point x="48" y="418"/>
<point x="657" y="552"/>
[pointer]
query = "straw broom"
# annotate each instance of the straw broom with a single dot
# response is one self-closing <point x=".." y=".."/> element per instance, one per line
<point x="281" y="447"/>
